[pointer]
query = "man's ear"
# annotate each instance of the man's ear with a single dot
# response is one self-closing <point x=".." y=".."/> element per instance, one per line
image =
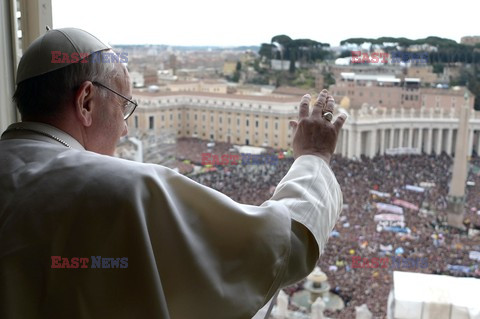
<point x="84" y="97"/>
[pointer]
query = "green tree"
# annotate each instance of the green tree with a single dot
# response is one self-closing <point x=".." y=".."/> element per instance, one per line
<point x="328" y="80"/>
<point x="438" y="68"/>
<point x="266" y="50"/>
<point x="293" y="60"/>
<point x="282" y="39"/>
<point x="236" y="74"/>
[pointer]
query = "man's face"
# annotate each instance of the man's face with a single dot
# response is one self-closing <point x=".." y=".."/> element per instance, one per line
<point x="108" y="125"/>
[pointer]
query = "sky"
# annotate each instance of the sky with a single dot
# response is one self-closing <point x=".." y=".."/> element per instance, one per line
<point x="252" y="22"/>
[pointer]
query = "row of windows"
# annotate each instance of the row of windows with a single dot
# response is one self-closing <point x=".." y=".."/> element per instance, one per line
<point x="212" y="102"/>
<point x="410" y="97"/>
<point x="151" y="121"/>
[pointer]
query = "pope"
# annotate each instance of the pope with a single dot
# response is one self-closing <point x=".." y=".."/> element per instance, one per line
<point x="192" y="251"/>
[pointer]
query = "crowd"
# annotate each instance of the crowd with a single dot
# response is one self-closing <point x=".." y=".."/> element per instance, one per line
<point x="356" y="233"/>
<point x="429" y="237"/>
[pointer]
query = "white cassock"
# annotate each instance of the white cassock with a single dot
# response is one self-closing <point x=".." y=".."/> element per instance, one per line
<point x="191" y="251"/>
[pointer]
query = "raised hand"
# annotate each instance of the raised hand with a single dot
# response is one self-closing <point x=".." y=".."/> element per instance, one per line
<point x="314" y="134"/>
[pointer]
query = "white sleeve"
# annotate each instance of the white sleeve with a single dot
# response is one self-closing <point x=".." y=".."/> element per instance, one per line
<point x="312" y="195"/>
<point x="236" y="249"/>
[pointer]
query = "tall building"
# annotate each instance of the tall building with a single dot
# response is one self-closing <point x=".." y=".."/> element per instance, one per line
<point x="387" y="90"/>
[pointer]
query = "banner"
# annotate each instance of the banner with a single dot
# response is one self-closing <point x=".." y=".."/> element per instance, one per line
<point x="397" y="229"/>
<point x="474" y="255"/>
<point x="427" y="184"/>
<point x="380" y="194"/>
<point x="405" y="204"/>
<point x="415" y="188"/>
<point x="389" y="208"/>
<point x="391" y="224"/>
<point x="388" y="217"/>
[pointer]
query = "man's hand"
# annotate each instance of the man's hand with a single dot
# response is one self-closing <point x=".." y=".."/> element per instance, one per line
<point x="313" y="134"/>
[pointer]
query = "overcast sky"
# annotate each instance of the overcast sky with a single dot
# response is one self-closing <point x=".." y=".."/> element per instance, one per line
<point x="252" y="22"/>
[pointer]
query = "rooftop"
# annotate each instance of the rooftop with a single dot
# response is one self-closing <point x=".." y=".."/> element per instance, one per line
<point x="264" y="98"/>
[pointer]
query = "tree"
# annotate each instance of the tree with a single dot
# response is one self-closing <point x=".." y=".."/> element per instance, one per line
<point x="306" y="50"/>
<point x="470" y="77"/>
<point x="438" y="68"/>
<point x="282" y="39"/>
<point x="266" y="50"/>
<point x="236" y="74"/>
<point x="328" y="80"/>
<point x="293" y="60"/>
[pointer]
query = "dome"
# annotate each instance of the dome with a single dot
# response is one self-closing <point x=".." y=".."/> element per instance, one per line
<point x="345" y="102"/>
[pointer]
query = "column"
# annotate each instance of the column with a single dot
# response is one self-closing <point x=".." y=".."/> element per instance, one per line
<point x="36" y="14"/>
<point x="351" y="143"/>
<point x="438" y="147"/>
<point x="338" y="147"/>
<point x="344" y="142"/>
<point x="478" y="142"/>
<point x="400" y="137"/>
<point x="470" y="143"/>
<point x="449" y="141"/>
<point x="358" y="147"/>
<point x="373" y="141"/>
<point x="410" y="138"/>
<point x="420" y="138"/>
<point x="382" y="141"/>
<point x="9" y="56"/>
<point x="428" y="149"/>
<point x="392" y="135"/>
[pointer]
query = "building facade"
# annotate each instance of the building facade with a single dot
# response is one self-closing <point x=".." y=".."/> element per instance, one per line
<point x="236" y="119"/>
<point x="370" y="132"/>
<point x="263" y="121"/>
<point x="392" y="92"/>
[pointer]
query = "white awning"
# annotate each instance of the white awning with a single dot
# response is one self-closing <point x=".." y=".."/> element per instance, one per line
<point x="424" y="296"/>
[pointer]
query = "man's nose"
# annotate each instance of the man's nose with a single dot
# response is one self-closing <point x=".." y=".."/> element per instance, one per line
<point x="125" y="130"/>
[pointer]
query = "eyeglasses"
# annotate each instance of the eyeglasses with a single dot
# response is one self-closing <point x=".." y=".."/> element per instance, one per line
<point x="129" y="108"/>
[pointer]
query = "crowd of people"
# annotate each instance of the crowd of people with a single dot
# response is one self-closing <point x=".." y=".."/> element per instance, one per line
<point x="446" y="249"/>
<point x="429" y="237"/>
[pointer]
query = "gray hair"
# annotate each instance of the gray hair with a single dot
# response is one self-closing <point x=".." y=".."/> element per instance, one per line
<point x="105" y="73"/>
<point x="45" y="95"/>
